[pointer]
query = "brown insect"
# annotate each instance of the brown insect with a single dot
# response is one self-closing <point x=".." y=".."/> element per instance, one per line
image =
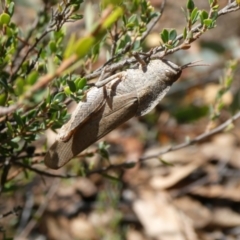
<point x="113" y="101"/>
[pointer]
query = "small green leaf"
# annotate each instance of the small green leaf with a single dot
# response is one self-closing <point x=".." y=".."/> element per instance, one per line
<point x="203" y="16"/>
<point x="52" y="46"/>
<point x="76" y="16"/>
<point x="190" y="5"/>
<point x="80" y="83"/>
<point x="32" y="113"/>
<point x="214" y="15"/>
<point x="172" y="34"/>
<point x="72" y="86"/>
<point x="194" y="15"/>
<point x="18" y="119"/>
<point x="164" y="35"/>
<point x="216" y="7"/>
<point x="16" y="139"/>
<point x="103" y="150"/>
<point x="32" y="77"/>
<point x="133" y="19"/>
<point x="19" y="89"/>
<point x="11" y="8"/>
<point x="4" y="19"/>
<point x="10" y="128"/>
<point x="3" y="99"/>
<point x="59" y="97"/>
<point x="208" y="22"/>
<point x="67" y="91"/>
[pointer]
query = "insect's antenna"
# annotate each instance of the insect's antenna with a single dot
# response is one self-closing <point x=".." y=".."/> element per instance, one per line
<point x="194" y="64"/>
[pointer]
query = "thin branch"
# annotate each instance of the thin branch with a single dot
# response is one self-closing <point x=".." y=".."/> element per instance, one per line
<point x="197" y="139"/>
<point x="25" y="41"/>
<point x="154" y="22"/>
<point x="15" y="211"/>
<point x="6" y="110"/>
<point x="43" y="81"/>
<point x="28" y="51"/>
<point x="129" y="44"/>
<point x="128" y="165"/>
<point x="29" y="227"/>
<point x="126" y="62"/>
<point x="57" y="21"/>
<point x="44" y="173"/>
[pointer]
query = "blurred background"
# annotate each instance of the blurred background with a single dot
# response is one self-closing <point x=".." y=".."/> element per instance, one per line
<point x="189" y="194"/>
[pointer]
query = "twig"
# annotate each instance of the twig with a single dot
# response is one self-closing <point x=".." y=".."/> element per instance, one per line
<point x="28" y="51"/>
<point x="127" y="165"/>
<point x="39" y="212"/>
<point x="25" y="41"/>
<point x="129" y="44"/>
<point x="15" y="211"/>
<point x="6" y="110"/>
<point x="43" y="81"/>
<point x="126" y="62"/>
<point x="195" y="140"/>
<point x="154" y="22"/>
<point x="44" y="173"/>
<point x="57" y="21"/>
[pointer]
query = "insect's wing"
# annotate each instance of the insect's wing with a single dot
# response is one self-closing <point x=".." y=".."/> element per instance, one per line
<point x="93" y="101"/>
<point x="108" y="117"/>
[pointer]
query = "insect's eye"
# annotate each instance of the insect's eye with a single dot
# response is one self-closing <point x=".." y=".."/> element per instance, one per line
<point x="169" y="73"/>
<point x="172" y="75"/>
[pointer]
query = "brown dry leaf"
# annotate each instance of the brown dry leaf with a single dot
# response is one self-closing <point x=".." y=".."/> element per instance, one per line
<point x="210" y="93"/>
<point x="81" y="228"/>
<point x="57" y="228"/>
<point x="176" y="174"/>
<point x="101" y="220"/>
<point x="199" y="214"/>
<point x="225" y="217"/>
<point x="234" y="160"/>
<point x="221" y="147"/>
<point x="160" y="219"/>
<point x="184" y="155"/>
<point x="224" y="148"/>
<point x="85" y="186"/>
<point x="218" y="191"/>
<point x="65" y="200"/>
<point x="135" y="235"/>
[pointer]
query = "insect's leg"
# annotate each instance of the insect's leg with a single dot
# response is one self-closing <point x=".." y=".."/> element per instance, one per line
<point x="140" y="60"/>
<point x="102" y="75"/>
<point x="103" y="82"/>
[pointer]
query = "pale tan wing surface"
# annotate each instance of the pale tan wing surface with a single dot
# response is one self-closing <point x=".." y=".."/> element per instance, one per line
<point x="93" y="101"/>
<point x="120" y="107"/>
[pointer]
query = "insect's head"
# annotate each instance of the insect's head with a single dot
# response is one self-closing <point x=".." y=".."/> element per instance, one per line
<point x="173" y="71"/>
